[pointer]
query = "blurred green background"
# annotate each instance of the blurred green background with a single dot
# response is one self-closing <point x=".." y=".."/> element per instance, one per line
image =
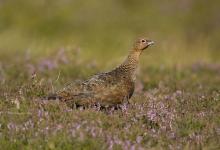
<point x="185" y="31"/>
<point x="45" y="44"/>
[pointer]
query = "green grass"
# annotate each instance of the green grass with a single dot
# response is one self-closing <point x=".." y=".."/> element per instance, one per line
<point x="47" y="44"/>
<point x="174" y="108"/>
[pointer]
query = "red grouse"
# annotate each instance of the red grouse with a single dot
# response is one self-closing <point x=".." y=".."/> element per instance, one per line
<point x="108" y="88"/>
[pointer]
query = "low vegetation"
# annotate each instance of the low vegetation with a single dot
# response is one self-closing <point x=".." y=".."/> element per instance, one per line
<point x="47" y="44"/>
<point x="173" y="107"/>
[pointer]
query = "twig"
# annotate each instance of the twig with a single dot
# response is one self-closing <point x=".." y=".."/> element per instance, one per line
<point x="58" y="77"/>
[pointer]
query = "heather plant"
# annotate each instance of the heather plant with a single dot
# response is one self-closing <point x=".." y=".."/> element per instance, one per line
<point x="45" y="45"/>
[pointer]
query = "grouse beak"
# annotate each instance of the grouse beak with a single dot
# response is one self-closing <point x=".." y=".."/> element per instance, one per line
<point x="150" y="43"/>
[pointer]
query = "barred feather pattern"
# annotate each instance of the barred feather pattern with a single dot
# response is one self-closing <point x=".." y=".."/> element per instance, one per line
<point x="108" y="88"/>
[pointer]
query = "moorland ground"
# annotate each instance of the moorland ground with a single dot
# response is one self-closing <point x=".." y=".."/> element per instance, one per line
<point x="176" y="104"/>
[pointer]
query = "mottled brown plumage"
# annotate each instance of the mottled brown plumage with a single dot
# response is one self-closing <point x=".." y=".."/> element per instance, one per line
<point x="109" y="88"/>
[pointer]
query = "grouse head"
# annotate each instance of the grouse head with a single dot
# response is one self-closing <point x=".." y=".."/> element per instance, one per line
<point x="142" y="43"/>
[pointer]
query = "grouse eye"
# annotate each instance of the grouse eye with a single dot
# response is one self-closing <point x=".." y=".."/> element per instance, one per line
<point x="143" y="41"/>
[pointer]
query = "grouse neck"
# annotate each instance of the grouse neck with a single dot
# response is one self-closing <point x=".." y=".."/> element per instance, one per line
<point x="130" y="64"/>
